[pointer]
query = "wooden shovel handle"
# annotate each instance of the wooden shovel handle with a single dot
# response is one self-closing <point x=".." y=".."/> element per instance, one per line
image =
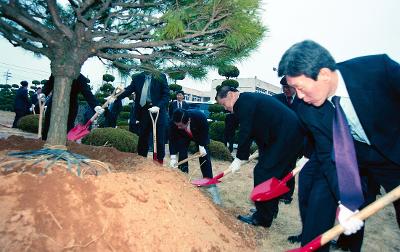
<point x="117" y="91"/>
<point x="196" y="155"/>
<point x="251" y="158"/>
<point x="368" y="211"/>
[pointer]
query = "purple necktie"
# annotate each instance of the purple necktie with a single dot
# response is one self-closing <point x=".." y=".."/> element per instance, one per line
<point x="345" y="158"/>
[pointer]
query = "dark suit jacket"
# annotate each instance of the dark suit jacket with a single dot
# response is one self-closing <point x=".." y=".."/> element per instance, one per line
<point x="295" y="103"/>
<point x="174" y="105"/>
<point x="79" y="85"/>
<point x="231" y="124"/>
<point x="158" y="89"/>
<point x="198" y="127"/>
<point x="274" y="127"/>
<point x="21" y="102"/>
<point x="373" y="84"/>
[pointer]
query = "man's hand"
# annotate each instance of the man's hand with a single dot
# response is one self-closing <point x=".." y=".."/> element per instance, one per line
<point x="235" y="165"/>
<point x="154" y="109"/>
<point x="42" y="97"/>
<point x="202" y="151"/>
<point x="173" y="162"/>
<point x="99" y="110"/>
<point x="350" y="225"/>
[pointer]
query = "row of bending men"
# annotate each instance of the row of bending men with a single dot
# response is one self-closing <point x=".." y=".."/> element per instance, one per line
<point x="369" y="100"/>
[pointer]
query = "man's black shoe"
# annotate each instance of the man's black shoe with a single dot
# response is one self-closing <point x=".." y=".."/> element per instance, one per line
<point x="294" y="238"/>
<point x="249" y="219"/>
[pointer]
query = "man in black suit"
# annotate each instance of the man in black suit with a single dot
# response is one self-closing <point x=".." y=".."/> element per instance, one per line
<point x="368" y="88"/>
<point x="231" y="124"/>
<point x="79" y="85"/>
<point x="278" y="135"/>
<point x="178" y="103"/>
<point x="289" y="98"/>
<point x="191" y="125"/>
<point x="151" y="95"/>
<point x="22" y="105"/>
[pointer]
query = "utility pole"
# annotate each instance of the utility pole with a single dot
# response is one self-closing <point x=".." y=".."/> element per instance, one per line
<point x="7" y="75"/>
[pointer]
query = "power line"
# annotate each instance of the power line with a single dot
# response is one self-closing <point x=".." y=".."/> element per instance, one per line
<point x="32" y="69"/>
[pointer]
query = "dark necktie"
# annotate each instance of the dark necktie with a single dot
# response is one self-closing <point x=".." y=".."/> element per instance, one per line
<point x="289" y="100"/>
<point x="345" y="158"/>
<point x="179" y="105"/>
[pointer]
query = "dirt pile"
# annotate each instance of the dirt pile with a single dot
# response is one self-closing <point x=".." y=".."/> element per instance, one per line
<point x="142" y="208"/>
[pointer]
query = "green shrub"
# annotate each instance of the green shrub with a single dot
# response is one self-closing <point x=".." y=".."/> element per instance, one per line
<point x="122" y="122"/>
<point x="217" y="131"/>
<point x="217" y="150"/>
<point x="120" y="139"/>
<point x="29" y="123"/>
<point x="218" y="116"/>
<point x="124" y="127"/>
<point x="126" y="108"/>
<point x="216" y="108"/>
<point x="124" y="115"/>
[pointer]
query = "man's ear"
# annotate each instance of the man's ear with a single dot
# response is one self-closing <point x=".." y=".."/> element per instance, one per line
<point x="324" y="74"/>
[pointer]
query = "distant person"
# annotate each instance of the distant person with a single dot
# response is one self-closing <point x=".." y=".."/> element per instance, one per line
<point x="179" y="103"/>
<point x="191" y="125"/>
<point x="79" y="85"/>
<point x="35" y="100"/>
<point x="22" y="105"/>
<point x="231" y="124"/>
<point x="351" y="105"/>
<point x="278" y="134"/>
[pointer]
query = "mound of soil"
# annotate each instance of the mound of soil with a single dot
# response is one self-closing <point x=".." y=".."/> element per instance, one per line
<point x="137" y="207"/>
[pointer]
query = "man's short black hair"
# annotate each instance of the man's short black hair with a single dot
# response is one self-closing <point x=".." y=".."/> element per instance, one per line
<point x="180" y="115"/>
<point x="180" y="92"/>
<point x="223" y="91"/>
<point x="24" y="83"/>
<point x="305" y="58"/>
<point x="283" y="81"/>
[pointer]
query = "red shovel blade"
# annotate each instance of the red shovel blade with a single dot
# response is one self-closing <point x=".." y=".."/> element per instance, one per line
<point x="208" y="181"/>
<point x="268" y="190"/>
<point x="313" y="245"/>
<point x="79" y="131"/>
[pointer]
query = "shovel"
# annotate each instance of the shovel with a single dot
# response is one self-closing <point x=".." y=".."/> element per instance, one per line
<point x="41" y="113"/>
<point x="79" y="131"/>
<point x="215" y="179"/>
<point x="154" y="121"/>
<point x="273" y="187"/>
<point x="368" y="211"/>
<point x="196" y="155"/>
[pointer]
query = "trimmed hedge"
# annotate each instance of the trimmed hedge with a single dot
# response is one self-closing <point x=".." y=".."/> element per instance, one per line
<point x="29" y="123"/>
<point x="120" y="139"/>
<point x="217" y="150"/>
<point x="217" y="131"/>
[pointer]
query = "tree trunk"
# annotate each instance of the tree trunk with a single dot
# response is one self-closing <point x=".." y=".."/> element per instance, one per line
<point x="59" y="111"/>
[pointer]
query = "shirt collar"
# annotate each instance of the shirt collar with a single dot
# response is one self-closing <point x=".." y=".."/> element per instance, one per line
<point x="341" y="89"/>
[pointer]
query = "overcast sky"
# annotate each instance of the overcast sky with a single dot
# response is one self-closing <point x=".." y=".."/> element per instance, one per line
<point x="347" y="28"/>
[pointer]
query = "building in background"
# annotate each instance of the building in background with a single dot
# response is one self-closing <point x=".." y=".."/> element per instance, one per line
<point x="194" y="95"/>
<point x="249" y="85"/>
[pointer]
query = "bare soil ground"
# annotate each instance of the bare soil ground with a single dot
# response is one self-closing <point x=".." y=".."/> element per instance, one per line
<point x="142" y="207"/>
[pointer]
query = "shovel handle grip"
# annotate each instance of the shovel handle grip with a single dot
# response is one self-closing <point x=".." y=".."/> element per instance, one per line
<point x="291" y="174"/>
<point x="365" y="213"/>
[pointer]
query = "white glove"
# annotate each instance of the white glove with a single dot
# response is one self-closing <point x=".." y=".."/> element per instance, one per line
<point x="235" y="165"/>
<point x="99" y="110"/>
<point x="137" y="122"/>
<point x="350" y="225"/>
<point x="154" y="109"/>
<point x="110" y="99"/>
<point x="173" y="162"/>
<point x="202" y="151"/>
<point x="42" y="97"/>
<point x="31" y="108"/>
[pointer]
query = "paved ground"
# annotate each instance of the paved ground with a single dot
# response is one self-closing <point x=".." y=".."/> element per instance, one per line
<point x="6" y="120"/>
